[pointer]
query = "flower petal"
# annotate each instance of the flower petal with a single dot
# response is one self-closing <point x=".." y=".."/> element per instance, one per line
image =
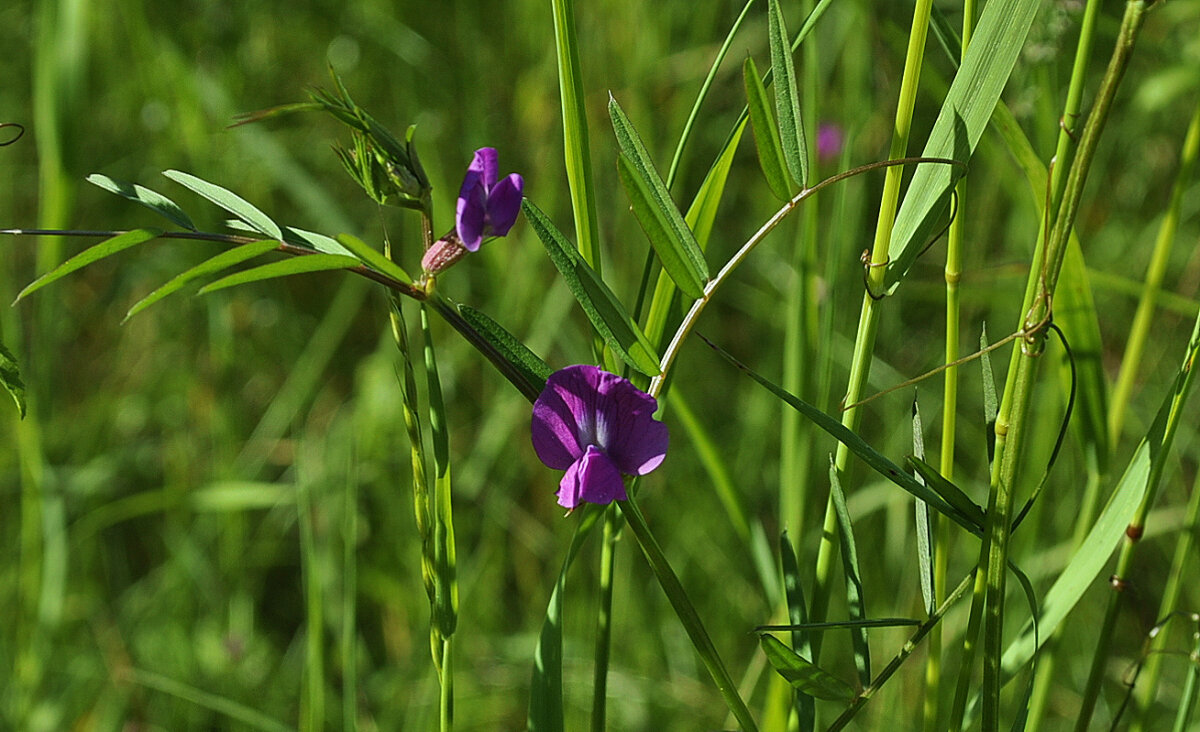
<point x="472" y="211"/>
<point x="485" y="163"/>
<point x="563" y="419"/>
<point x="503" y="204"/>
<point x="592" y="478"/>
<point x="634" y="440"/>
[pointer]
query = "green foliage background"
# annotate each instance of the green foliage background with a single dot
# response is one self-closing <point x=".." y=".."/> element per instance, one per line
<point x="151" y="538"/>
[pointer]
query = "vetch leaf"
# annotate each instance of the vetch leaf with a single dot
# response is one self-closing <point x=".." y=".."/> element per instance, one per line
<point x="659" y="230"/>
<point x="292" y="266"/>
<point x="230" y="201"/>
<point x="802" y="674"/>
<point x="536" y="370"/>
<point x="787" y="96"/>
<point x="313" y="240"/>
<point x="944" y="488"/>
<point x="684" y="255"/>
<point x="95" y="253"/>
<point x="10" y="378"/>
<point x="224" y="260"/>
<point x="373" y="258"/>
<point x="973" y="94"/>
<point x="152" y="200"/>
<point x="766" y="134"/>
<point x="601" y="306"/>
<point x="859" y="447"/>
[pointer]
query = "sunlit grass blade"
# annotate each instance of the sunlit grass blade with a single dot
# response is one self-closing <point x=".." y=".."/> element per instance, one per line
<point x="659" y="230"/>
<point x="230" y="201"/>
<point x="944" y="488"/>
<point x="546" y="687"/>
<point x="284" y="268"/>
<point x="152" y="200"/>
<point x="855" y="600"/>
<point x="675" y="244"/>
<point x="10" y="378"/>
<point x="601" y="306"/>
<point x="766" y="134"/>
<point x="224" y="260"/>
<point x="803" y="674"/>
<point x="95" y="253"/>
<point x="988" y="62"/>
<point x="859" y="447"/>
<point x="373" y="258"/>
<point x="924" y="527"/>
<point x="787" y="96"/>
<point x="576" y="147"/>
<point x="1141" y="475"/>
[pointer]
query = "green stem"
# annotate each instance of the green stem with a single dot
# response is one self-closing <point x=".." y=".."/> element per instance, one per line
<point x="603" y="648"/>
<point x="686" y="613"/>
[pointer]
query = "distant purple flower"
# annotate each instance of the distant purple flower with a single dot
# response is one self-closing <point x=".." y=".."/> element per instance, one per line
<point x="829" y="141"/>
<point x="596" y="426"/>
<point x="486" y="207"/>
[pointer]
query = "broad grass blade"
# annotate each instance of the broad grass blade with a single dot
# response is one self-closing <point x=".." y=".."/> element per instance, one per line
<point x="285" y="268"/>
<point x="787" y="96"/>
<point x="855" y="600"/>
<point x="152" y="200"/>
<point x="989" y="61"/>
<point x="673" y="241"/>
<point x="373" y="258"/>
<point x="230" y="201"/>
<point x="535" y="370"/>
<point x="766" y="133"/>
<point x="601" y="306"/>
<point x="576" y="147"/>
<point x="10" y="378"/>
<point x="1145" y="467"/>
<point x="803" y="674"/>
<point x="95" y="253"/>
<point x="859" y="447"/>
<point x="224" y="260"/>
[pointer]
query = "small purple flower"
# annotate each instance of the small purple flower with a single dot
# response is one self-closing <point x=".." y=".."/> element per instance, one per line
<point x="596" y="426"/>
<point x="486" y="207"/>
<point x="829" y="141"/>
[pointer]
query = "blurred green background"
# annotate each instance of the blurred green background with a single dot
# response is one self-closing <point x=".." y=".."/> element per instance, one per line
<point x="154" y="576"/>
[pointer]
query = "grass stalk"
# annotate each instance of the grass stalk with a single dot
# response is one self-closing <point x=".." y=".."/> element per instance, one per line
<point x="603" y="648"/>
<point x="864" y="341"/>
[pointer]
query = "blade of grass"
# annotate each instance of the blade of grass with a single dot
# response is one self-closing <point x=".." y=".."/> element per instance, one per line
<point x="855" y="601"/>
<point x="803" y="674"/>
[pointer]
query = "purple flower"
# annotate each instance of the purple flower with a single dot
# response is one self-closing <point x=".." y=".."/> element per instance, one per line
<point x="486" y="207"/>
<point x="829" y="141"/>
<point x="596" y="426"/>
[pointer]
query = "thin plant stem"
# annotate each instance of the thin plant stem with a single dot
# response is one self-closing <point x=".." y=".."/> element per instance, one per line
<point x="864" y="341"/>
<point x="1011" y="423"/>
<point x="603" y="647"/>
<point x="1139" y="331"/>
<point x="686" y="612"/>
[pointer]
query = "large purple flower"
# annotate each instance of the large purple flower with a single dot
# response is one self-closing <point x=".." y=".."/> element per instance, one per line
<point x="596" y="426"/>
<point x="486" y="207"/>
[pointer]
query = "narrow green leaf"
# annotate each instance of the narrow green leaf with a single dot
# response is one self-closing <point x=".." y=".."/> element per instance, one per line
<point x="576" y="148"/>
<point x="703" y="211"/>
<point x="210" y="266"/>
<point x="95" y="253"/>
<point x="313" y="240"/>
<point x="924" y="524"/>
<point x="445" y="605"/>
<point x="536" y="370"/>
<point x="991" y="403"/>
<point x="373" y="258"/>
<point x="766" y="134"/>
<point x="10" y="378"/>
<point x="1019" y="721"/>
<point x="802" y="674"/>
<point x="859" y="447"/>
<point x="292" y="266"/>
<point x="787" y="96"/>
<point x="152" y="200"/>
<point x="601" y="306"/>
<point x="855" y="600"/>
<point x="230" y="201"/>
<point x="976" y="88"/>
<point x="682" y="240"/>
<point x="797" y="615"/>
<point x="947" y="490"/>
<point x="659" y="231"/>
